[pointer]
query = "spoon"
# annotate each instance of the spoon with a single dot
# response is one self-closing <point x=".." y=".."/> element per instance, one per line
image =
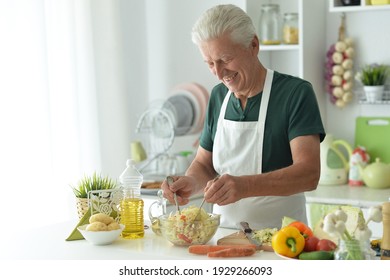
<point x="170" y="182"/>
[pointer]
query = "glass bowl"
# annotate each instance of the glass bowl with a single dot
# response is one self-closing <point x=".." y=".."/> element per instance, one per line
<point x="183" y="232"/>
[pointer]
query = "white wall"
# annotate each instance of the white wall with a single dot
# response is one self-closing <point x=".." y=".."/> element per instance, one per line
<point x="157" y="54"/>
<point x="172" y="58"/>
<point x="369" y="29"/>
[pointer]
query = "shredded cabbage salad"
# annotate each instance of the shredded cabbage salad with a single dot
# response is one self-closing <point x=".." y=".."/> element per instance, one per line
<point x="264" y="236"/>
<point x="182" y="230"/>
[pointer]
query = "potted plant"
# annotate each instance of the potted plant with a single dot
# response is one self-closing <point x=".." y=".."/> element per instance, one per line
<point x="90" y="183"/>
<point x="373" y="77"/>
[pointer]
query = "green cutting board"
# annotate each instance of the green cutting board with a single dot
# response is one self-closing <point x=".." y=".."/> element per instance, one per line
<point x="373" y="133"/>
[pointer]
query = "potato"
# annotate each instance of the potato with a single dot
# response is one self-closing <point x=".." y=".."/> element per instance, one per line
<point x="101" y="217"/>
<point x="113" y="226"/>
<point x="97" y="226"/>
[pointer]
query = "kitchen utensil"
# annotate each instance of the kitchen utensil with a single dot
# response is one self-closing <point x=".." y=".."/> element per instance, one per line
<point x="183" y="234"/>
<point x="158" y="121"/>
<point x="170" y="182"/>
<point x="373" y="133"/>
<point x="334" y="165"/>
<point x="184" y="113"/>
<point x="203" y="200"/>
<point x="177" y="204"/>
<point x="376" y="175"/>
<point x="161" y="206"/>
<point x="249" y="233"/>
<point x="239" y="238"/>
<point x="199" y="98"/>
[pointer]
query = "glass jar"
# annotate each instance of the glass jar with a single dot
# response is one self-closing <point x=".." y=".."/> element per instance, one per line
<point x="354" y="250"/>
<point x="290" y="28"/>
<point x="270" y="26"/>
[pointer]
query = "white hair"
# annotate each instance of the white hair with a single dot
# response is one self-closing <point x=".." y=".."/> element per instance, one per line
<point x="224" y="19"/>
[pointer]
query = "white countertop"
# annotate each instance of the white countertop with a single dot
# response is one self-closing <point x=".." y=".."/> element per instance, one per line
<point x="362" y="196"/>
<point x="49" y="244"/>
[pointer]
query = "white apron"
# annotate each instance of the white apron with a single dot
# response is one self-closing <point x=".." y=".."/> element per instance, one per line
<point x="238" y="150"/>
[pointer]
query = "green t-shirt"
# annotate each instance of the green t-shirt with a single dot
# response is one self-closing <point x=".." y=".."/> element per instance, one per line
<point x="292" y="111"/>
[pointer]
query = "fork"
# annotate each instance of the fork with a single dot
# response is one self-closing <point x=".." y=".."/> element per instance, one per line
<point x="203" y="200"/>
<point x="170" y="181"/>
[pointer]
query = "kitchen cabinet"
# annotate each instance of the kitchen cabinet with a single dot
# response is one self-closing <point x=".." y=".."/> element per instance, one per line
<point x="337" y="6"/>
<point x="361" y="197"/>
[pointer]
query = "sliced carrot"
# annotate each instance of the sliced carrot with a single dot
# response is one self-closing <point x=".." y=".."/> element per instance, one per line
<point x="204" y="249"/>
<point x="232" y="252"/>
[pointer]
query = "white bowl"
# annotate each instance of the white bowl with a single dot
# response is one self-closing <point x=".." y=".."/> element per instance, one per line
<point x="100" y="237"/>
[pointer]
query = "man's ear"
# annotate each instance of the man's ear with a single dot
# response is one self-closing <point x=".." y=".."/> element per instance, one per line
<point x="255" y="44"/>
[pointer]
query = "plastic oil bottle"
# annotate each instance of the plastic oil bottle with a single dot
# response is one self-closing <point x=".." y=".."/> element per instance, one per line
<point x="132" y="206"/>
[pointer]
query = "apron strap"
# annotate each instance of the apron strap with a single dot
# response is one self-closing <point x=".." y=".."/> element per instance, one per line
<point x="263" y="113"/>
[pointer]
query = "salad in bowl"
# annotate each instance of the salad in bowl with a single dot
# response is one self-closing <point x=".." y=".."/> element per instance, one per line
<point x="191" y="226"/>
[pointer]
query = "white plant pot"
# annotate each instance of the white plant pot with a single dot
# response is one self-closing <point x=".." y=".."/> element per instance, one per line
<point x="374" y="93"/>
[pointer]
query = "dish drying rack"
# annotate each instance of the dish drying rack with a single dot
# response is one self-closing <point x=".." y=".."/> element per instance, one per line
<point x="157" y="123"/>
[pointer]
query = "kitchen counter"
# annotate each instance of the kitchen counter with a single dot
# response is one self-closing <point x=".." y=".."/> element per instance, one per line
<point x="49" y="244"/>
<point x="363" y="196"/>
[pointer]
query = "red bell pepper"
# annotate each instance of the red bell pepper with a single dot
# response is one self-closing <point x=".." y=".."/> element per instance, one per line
<point x="303" y="229"/>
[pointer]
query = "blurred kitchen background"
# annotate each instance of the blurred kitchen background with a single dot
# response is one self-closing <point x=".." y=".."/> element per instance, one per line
<point x="76" y="76"/>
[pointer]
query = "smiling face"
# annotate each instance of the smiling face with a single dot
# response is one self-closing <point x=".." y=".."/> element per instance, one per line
<point x="235" y="65"/>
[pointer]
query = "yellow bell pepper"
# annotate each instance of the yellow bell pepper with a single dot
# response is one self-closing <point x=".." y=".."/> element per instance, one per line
<point x="288" y="241"/>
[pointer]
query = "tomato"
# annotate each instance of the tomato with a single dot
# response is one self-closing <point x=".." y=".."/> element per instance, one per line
<point x="311" y="244"/>
<point x="326" y="245"/>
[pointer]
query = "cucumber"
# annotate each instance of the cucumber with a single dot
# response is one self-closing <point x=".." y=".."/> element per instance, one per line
<point x="317" y="255"/>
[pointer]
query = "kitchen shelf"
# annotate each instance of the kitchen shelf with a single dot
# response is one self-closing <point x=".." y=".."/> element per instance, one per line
<point x="301" y="59"/>
<point x="279" y="47"/>
<point x="385" y="101"/>
<point x="335" y="6"/>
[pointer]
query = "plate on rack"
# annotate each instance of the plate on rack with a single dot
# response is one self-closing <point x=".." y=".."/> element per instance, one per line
<point x="199" y="97"/>
<point x="184" y="113"/>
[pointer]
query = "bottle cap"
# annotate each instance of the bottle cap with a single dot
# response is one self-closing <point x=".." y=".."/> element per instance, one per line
<point x="131" y="175"/>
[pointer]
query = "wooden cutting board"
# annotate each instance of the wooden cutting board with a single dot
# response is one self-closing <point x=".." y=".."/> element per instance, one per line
<point x="239" y="238"/>
<point x="373" y="133"/>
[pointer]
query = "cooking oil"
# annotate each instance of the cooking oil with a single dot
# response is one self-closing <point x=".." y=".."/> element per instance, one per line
<point x="132" y="206"/>
<point x="132" y="217"/>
